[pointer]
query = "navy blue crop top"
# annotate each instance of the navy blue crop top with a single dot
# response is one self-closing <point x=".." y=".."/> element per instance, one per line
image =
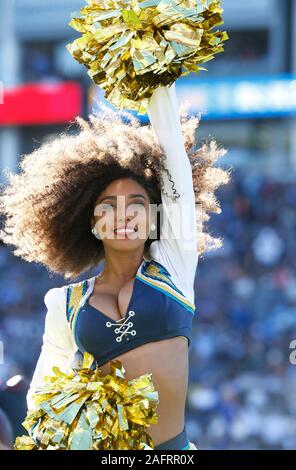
<point x="157" y="310"/>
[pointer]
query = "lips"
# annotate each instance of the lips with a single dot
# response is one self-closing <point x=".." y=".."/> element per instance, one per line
<point x="125" y="230"/>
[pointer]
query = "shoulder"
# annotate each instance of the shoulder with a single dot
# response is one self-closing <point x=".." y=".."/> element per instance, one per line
<point x="60" y="296"/>
<point x="75" y="295"/>
<point x="182" y="273"/>
<point x="162" y="275"/>
<point x="55" y="302"/>
<point x="62" y="305"/>
<point x="55" y="296"/>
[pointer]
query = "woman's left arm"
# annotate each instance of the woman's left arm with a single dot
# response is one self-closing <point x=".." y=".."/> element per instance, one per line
<point x="177" y="248"/>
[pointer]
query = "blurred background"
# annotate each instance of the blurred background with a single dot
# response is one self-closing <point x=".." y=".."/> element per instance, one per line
<point x="242" y="382"/>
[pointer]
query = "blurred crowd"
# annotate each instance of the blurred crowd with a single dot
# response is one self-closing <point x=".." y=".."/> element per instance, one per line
<point x="242" y="382"/>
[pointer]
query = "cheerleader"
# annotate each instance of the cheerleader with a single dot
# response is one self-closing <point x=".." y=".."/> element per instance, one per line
<point x="140" y="308"/>
<point x="133" y="198"/>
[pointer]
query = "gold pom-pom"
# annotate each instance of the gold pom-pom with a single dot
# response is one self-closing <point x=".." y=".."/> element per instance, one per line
<point x="131" y="47"/>
<point x="86" y="410"/>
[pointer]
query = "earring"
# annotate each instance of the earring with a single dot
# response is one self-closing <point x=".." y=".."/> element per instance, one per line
<point x="153" y="226"/>
<point x="96" y="235"/>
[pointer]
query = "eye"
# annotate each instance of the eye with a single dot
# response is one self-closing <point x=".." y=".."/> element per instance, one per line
<point x="138" y="203"/>
<point x="104" y="207"/>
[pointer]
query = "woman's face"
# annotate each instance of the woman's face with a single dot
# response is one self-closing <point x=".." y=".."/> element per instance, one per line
<point x="122" y="215"/>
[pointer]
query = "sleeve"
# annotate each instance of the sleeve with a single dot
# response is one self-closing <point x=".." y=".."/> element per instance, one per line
<point x="177" y="247"/>
<point x="57" y="345"/>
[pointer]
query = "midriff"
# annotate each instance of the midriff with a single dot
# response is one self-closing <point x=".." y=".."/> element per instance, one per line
<point x="167" y="360"/>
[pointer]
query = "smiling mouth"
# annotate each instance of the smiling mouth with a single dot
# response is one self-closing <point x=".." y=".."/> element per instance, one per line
<point x="125" y="231"/>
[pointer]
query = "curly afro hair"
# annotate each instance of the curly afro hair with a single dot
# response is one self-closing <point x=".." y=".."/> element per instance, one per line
<point x="47" y="207"/>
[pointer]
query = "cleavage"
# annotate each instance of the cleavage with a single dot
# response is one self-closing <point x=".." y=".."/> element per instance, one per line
<point x="111" y="304"/>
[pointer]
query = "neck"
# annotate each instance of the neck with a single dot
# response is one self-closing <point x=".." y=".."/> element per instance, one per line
<point x="122" y="266"/>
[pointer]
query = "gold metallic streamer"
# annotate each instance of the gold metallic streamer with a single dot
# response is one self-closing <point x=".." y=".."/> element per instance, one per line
<point x="131" y="47"/>
<point x="86" y="410"/>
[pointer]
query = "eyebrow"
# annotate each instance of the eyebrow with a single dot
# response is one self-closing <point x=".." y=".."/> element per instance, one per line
<point x="129" y="196"/>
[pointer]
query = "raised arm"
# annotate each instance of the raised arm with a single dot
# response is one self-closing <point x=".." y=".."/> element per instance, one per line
<point x="177" y="248"/>
<point x="57" y="344"/>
